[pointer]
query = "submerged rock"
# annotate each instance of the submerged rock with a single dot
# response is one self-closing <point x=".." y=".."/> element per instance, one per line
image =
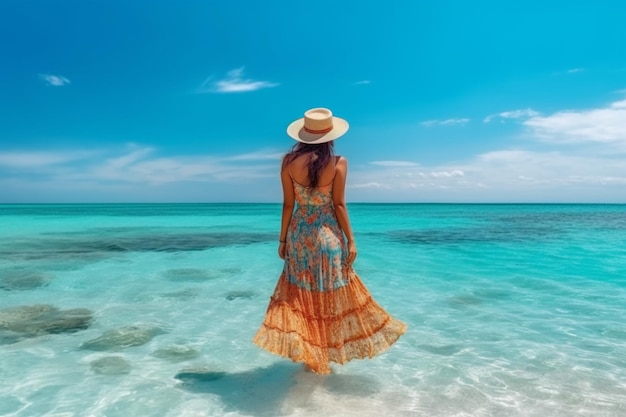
<point x="20" y="280"/>
<point x="445" y="350"/>
<point x="233" y="295"/>
<point x="188" y="274"/>
<point x="122" y="338"/>
<point x="35" y="320"/>
<point x="464" y="300"/>
<point x="230" y="271"/>
<point x="8" y="338"/>
<point x="110" y="365"/>
<point x="186" y="294"/>
<point x="176" y="353"/>
<point x="16" y="316"/>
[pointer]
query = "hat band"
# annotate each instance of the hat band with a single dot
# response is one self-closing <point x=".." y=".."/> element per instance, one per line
<point x="317" y="132"/>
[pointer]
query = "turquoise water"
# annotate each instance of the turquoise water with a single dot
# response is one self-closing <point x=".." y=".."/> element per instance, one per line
<point x="149" y="310"/>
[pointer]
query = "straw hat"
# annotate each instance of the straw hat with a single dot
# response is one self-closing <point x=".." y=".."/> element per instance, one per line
<point x="317" y="126"/>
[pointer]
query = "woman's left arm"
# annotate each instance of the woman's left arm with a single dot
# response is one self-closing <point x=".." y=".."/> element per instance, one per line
<point x="288" y="204"/>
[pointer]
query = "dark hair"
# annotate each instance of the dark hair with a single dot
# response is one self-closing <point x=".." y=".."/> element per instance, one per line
<point x="319" y="156"/>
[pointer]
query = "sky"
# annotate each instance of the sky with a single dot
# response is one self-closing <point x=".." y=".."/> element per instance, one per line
<point x="448" y="101"/>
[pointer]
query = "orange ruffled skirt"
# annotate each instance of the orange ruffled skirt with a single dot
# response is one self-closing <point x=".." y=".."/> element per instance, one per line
<point x="319" y="327"/>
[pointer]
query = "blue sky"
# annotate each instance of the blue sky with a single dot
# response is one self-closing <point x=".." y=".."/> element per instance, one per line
<point x="448" y="101"/>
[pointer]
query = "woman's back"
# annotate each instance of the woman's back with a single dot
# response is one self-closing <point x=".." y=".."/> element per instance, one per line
<point x="298" y="170"/>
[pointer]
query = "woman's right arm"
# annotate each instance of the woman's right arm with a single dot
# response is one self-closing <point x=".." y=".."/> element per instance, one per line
<point x="341" y="210"/>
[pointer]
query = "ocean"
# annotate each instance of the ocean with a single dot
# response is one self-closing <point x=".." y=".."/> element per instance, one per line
<point x="149" y="310"/>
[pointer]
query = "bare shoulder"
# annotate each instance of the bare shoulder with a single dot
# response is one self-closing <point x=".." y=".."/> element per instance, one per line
<point x="341" y="161"/>
<point x="284" y="168"/>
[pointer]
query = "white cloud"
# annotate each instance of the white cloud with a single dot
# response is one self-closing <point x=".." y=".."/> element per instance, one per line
<point x="558" y="173"/>
<point x="394" y="163"/>
<point x="171" y="170"/>
<point x="127" y="159"/>
<point x="447" y="174"/>
<point x="561" y="172"/>
<point x="139" y="173"/>
<point x="363" y="82"/>
<point x="23" y="159"/>
<point x="514" y="114"/>
<point x="619" y="105"/>
<point x="54" y="80"/>
<point x="139" y="165"/>
<point x="234" y="83"/>
<point x="607" y="124"/>
<point x="257" y="156"/>
<point x="509" y="175"/>
<point x="446" y="122"/>
<point x="575" y="70"/>
<point x="134" y="164"/>
<point x="374" y="185"/>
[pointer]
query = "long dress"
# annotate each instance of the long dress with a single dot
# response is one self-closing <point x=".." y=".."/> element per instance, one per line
<point x="320" y="311"/>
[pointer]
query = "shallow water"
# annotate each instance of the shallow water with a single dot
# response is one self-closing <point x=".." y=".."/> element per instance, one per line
<point x="513" y="310"/>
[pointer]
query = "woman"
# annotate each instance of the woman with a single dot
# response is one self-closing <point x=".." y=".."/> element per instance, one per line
<point x="320" y="311"/>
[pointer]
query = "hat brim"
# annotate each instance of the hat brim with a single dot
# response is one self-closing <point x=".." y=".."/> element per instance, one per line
<point x="297" y="132"/>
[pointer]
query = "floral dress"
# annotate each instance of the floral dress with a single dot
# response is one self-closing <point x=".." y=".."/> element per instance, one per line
<point x="320" y="311"/>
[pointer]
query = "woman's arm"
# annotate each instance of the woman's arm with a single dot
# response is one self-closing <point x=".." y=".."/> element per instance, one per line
<point x="341" y="210"/>
<point x="288" y="204"/>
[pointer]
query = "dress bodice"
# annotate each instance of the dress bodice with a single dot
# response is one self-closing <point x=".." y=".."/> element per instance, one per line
<point x="313" y="196"/>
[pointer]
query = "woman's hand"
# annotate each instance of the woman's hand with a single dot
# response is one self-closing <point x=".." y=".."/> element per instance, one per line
<point x="282" y="250"/>
<point x="351" y="252"/>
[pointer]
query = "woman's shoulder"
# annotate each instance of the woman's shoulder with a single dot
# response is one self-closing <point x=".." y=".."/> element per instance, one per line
<point x="339" y="159"/>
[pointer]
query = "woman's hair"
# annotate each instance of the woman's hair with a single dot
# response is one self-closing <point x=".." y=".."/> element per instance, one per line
<point x="319" y="156"/>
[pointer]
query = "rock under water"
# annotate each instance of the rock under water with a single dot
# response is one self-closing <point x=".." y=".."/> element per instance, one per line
<point x="185" y="294"/>
<point x="176" y="353"/>
<point x="122" y="338"/>
<point x="21" y="322"/>
<point x="110" y="365"/>
<point x="22" y="280"/>
<point x="189" y="274"/>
